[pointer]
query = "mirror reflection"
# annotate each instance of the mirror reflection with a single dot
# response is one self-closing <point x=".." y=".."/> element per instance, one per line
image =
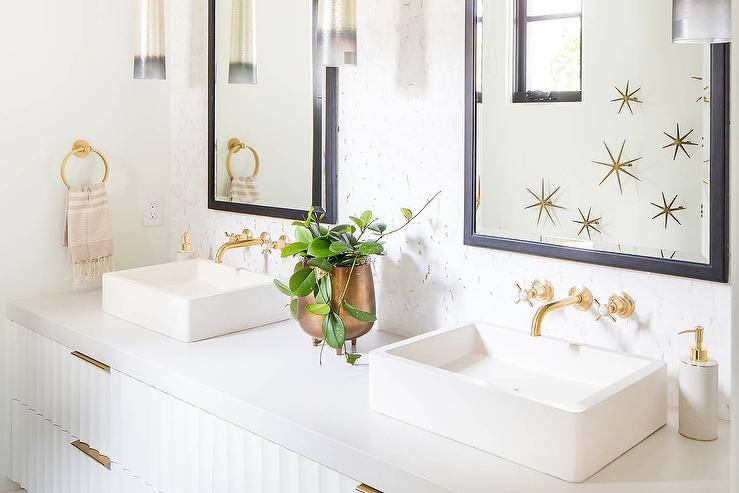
<point x="264" y="103"/>
<point x="593" y="128"/>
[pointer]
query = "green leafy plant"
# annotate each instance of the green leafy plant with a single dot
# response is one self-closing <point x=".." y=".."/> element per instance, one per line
<point x="321" y="250"/>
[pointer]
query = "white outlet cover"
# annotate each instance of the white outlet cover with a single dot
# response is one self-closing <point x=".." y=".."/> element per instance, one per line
<point x="153" y="210"/>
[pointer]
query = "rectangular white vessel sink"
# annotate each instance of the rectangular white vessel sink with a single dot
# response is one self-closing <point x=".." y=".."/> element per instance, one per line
<point x="193" y="300"/>
<point x="560" y="408"/>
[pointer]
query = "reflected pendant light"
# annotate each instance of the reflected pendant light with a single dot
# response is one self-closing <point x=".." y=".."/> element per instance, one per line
<point x="149" y="62"/>
<point x="337" y="32"/>
<point x="701" y="21"/>
<point x="242" y="67"/>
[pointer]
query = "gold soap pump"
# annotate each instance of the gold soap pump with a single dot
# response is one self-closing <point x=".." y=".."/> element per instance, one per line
<point x="698" y="386"/>
<point x="185" y="252"/>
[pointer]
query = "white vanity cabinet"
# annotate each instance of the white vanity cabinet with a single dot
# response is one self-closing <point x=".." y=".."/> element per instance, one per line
<point x="154" y="441"/>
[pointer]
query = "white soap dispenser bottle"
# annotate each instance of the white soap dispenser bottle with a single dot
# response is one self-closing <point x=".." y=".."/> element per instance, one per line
<point x="186" y="252"/>
<point x="698" y="383"/>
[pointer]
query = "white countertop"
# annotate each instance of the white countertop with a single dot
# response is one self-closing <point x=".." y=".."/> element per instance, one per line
<point x="268" y="381"/>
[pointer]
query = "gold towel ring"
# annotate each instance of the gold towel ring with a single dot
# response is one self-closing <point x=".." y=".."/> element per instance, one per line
<point x="82" y="148"/>
<point x="235" y="146"/>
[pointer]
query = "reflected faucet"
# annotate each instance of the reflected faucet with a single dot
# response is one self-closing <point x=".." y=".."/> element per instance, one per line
<point x="579" y="297"/>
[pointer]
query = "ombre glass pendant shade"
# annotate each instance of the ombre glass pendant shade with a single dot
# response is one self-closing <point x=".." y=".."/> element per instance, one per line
<point x="149" y="62"/>
<point x="701" y="21"/>
<point x="337" y="32"/>
<point x="242" y="67"/>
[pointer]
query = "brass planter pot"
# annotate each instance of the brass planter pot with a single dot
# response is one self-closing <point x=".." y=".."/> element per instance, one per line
<point x="360" y="294"/>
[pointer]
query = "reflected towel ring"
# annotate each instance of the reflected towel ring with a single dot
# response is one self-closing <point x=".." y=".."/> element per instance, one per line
<point x="82" y="148"/>
<point x="235" y="146"/>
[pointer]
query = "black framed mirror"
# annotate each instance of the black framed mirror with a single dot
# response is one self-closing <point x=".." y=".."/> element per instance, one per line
<point x="631" y="173"/>
<point x="272" y="111"/>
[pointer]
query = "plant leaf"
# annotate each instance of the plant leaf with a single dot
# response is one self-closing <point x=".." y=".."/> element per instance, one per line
<point x="322" y="264"/>
<point x="334" y="332"/>
<point x="294" y="308"/>
<point x="352" y="358"/>
<point x="324" y="290"/>
<point x="358" y="222"/>
<point x="284" y="289"/>
<point x="303" y="282"/>
<point x="303" y="235"/>
<point x="366" y="218"/>
<point x="293" y="249"/>
<point x="321" y="309"/>
<point x="359" y="314"/>
<point x="343" y="228"/>
<point x="407" y="213"/>
<point x="338" y="247"/>
<point x="378" y="227"/>
<point x="370" y="248"/>
<point x="319" y="248"/>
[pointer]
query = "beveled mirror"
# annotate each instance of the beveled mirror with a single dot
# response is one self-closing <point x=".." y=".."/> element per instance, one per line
<point x="591" y="136"/>
<point x="272" y="111"/>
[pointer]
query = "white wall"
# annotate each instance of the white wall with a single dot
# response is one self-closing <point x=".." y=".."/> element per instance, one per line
<point x="401" y="120"/>
<point x="67" y="74"/>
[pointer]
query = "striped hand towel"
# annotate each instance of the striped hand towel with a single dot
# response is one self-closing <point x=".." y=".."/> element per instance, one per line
<point x="88" y="233"/>
<point x="244" y="190"/>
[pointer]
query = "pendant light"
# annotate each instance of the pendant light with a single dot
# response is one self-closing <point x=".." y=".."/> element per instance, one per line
<point x="242" y="68"/>
<point x="149" y="62"/>
<point x="701" y="21"/>
<point x="337" y="32"/>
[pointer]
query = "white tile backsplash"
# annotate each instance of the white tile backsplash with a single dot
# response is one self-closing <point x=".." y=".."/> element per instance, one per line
<point x="401" y="140"/>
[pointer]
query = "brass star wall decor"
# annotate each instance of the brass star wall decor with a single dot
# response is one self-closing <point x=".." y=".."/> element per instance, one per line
<point x="679" y="142"/>
<point x="704" y="98"/>
<point x="671" y="257"/>
<point x="544" y="203"/>
<point x="626" y="97"/>
<point x="668" y="210"/>
<point x="587" y="223"/>
<point x="617" y="166"/>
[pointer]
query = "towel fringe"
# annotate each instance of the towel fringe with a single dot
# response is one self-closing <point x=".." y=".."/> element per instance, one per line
<point x="91" y="270"/>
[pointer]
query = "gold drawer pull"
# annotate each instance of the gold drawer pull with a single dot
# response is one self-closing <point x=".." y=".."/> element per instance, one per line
<point x="363" y="488"/>
<point x="92" y="361"/>
<point x="92" y="453"/>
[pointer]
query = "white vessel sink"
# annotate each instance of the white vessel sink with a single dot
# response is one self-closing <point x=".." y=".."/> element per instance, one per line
<point x="193" y="300"/>
<point x="560" y="408"/>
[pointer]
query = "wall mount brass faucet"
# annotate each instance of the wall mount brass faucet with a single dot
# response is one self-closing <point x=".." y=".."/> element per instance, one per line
<point x="243" y="240"/>
<point x="539" y="291"/>
<point x="579" y="297"/>
<point x="619" y="305"/>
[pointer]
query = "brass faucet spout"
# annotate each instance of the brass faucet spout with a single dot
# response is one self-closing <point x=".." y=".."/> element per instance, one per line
<point x="234" y="245"/>
<point x="579" y="297"/>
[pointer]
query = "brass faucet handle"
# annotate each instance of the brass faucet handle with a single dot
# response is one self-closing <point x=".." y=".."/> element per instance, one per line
<point x="232" y="237"/>
<point x="245" y="235"/>
<point x="619" y="305"/>
<point x="281" y="242"/>
<point x="539" y="291"/>
<point x="265" y="237"/>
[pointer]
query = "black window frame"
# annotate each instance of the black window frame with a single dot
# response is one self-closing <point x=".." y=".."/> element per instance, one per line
<point x="521" y="93"/>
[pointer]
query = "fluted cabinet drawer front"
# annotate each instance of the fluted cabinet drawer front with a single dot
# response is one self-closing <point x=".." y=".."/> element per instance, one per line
<point x="69" y="392"/>
<point x="179" y="448"/>
<point x="44" y="461"/>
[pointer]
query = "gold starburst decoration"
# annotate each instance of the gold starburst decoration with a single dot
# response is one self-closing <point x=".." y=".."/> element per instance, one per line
<point x="544" y="203"/>
<point x="587" y="223"/>
<point x="618" y="166"/>
<point x="668" y="209"/>
<point x="704" y="98"/>
<point x="626" y="97"/>
<point x="670" y="257"/>
<point x="679" y="142"/>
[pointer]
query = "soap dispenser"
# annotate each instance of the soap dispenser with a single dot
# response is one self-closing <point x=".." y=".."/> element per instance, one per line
<point x="698" y="384"/>
<point x="186" y="252"/>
